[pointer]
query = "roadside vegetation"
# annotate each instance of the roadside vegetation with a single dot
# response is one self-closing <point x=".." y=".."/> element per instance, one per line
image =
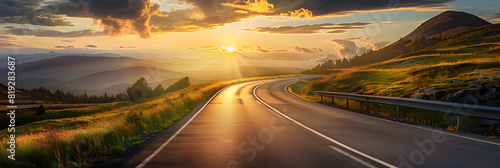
<point x="82" y="137"/>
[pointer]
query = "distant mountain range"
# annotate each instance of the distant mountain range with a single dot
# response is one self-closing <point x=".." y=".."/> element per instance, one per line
<point x="112" y="73"/>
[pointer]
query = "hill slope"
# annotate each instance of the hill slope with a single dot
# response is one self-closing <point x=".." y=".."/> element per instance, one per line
<point x="463" y="62"/>
<point x="101" y="80"/>
<point x="446" y="21"/>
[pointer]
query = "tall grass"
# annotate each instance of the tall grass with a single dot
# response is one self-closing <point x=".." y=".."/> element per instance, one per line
<point x="107" y="133"/>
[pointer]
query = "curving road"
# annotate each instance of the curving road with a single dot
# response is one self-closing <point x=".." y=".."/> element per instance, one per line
<point x="259" y="124"/>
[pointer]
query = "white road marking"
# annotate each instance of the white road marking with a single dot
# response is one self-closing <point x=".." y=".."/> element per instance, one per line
<point x="419" y="127"/>
<point x="178" y="131"/>
<point x="352" y="157"/>
<point x="320" y="134"/>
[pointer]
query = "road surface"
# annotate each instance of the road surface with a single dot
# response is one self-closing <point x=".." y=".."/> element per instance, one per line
<point x="259" y="124"/>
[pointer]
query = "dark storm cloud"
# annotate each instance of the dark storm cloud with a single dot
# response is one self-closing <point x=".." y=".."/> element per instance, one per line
<point x="324" y="7"/>
<point x="30" y="12"/>
<point x="38" y="19"/>
<point x="121" y="16"/>
<point x="91" y="46"/>
<point x="53" y="33"/>
<point x="309" y="29"/>
<point x="17" y="7"/>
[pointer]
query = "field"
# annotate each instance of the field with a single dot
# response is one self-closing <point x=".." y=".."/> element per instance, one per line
<point x="79" y="137"/>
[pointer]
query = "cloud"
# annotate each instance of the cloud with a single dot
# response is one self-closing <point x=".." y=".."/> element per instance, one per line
<point x="68" y="41"/>
<point x="7" y="42"/>
<point x="53" y="33"/>
<point x="337" y="31"/>
<point x="307" y="50"/>
<point x="326" y="57"/>
<point x="381" y="44"/>
<point x="299" y="13"/>
<point x="327" y="7"/>
<point x="260" y="49"/>
<point x="362" y="50"/>
<point x="143" y="17"/>
<point x="122" y="16"/>
<point x="65" y="47"/>
<point x="494" y="16"/>
<point x="91" y="46"/>
<point x="257" y="6"/>
<point x="310" y="29"/>
<point x="126" y="47"/>
<point x="17" y="7"/>
<point x="345" y="48"/>
<point x="38" y="19"/>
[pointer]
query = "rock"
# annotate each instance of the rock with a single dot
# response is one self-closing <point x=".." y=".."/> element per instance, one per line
<point x="454" y="81"/>
<point x="474" y="73"/>
<point x="497" y="76"/>
<point x="429" y="90"/>
<point x="474" y="84"/>
<point x="491" y="102"/>
<point x="416" y="91"/>
<point x="471" y="99"/>
<point x="488" y="122"/>
<point x="449" y="97"/>
<point x="439" y="95"/>
<point x="458" y="97"/>
<point x="417" y="97"/>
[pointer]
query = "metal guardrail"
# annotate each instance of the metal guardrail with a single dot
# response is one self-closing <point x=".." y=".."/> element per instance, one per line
<point x="461" y="110"/>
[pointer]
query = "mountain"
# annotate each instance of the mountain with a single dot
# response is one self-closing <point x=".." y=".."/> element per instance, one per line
<point x="101" y="80"/>
<point x="71" y="67"/>
<point x="30" y="83"/>
<point x="446" y="21"/>
<point x="243" y="71"/>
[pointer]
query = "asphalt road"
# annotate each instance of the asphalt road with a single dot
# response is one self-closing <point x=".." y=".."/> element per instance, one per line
<point x="259" y="124"/>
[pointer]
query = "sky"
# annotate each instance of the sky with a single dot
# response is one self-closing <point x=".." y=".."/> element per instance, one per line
<point x="296" y="33"/>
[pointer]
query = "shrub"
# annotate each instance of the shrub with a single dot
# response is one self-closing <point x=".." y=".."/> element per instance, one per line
<point x="40" y="110"/>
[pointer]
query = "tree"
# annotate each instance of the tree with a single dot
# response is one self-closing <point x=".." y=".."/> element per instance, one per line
<point x="139" y="90"/>
<point x="158" y="90"/>
<point x="40" y="110"/>
<point x="180" y="84"/>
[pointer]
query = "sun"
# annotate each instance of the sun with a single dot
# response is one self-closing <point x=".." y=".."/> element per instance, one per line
<point x="228" y="49"/>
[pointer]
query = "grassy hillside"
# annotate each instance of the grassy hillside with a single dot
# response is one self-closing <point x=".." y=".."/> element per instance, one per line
<point x="446" y="69"/>
<point x="433" y="67"/>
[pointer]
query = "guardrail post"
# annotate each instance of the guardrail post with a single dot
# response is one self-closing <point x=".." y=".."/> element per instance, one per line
<point x="347" y="105"/>
<point x="367" y="106"/>
<point x="321" y="99"/>
<point x="399" y="112"/>
<point x="459" y="121"/>
<point x="333" y="99"/>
